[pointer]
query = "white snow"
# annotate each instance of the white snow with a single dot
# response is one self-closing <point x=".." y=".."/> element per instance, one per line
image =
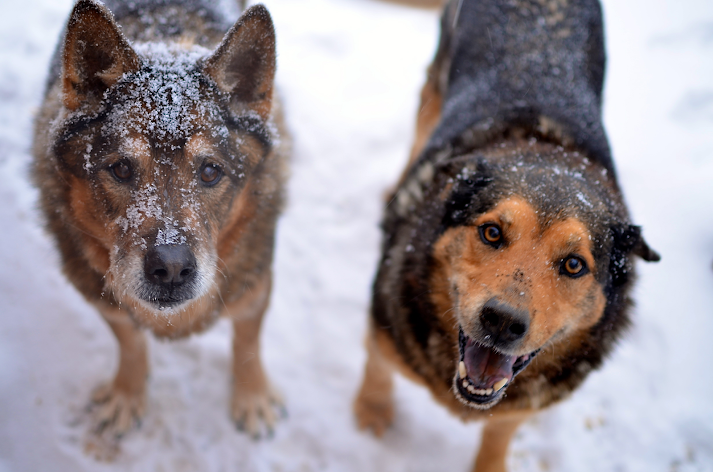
<point x="350" y="72"/>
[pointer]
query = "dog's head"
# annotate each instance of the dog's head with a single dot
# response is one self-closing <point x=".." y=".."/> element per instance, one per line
<point x="532" y="255"/>
<point x="157" y="143"/>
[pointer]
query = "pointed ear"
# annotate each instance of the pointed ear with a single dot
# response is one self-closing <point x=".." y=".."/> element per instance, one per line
<point x="244" y="64"/>
<point x="95" y="55"/>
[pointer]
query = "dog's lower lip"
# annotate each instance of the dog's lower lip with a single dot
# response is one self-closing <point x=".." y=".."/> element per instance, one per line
<point x="167" y="302"/>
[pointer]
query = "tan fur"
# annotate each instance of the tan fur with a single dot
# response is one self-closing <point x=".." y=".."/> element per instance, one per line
<point x="253" y="396"/>
<point x="373" y="406"/>
<point x="429" y="113"/>
<point x="521" y="274"/>
<point x="497" y="433"/>
<point x="118" y="405"/>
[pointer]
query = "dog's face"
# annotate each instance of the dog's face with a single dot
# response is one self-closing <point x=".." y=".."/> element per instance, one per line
<point x="519" y="278"/>
<point x="516" y="286"/>
<point x="157" y="146"/>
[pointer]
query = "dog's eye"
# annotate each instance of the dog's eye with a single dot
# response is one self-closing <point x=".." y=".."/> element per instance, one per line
<point x="573" y="266"/>
<point x="491" y="234"/>
<point x="121" y="171"/>
<point x="211" y="174"/>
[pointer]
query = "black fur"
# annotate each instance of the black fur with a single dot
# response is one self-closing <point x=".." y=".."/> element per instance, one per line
<point x="513" y="63"/>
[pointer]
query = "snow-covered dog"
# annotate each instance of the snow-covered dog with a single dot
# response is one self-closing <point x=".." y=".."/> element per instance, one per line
<point x="161" y="179"/>
<point x="507" y="252"/>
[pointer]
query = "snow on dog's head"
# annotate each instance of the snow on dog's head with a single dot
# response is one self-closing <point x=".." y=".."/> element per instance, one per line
<point x="157" y="143"/>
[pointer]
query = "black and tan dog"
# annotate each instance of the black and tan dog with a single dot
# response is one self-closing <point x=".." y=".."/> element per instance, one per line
<point x="507" y="255"/>
<point x="161" y="178"/>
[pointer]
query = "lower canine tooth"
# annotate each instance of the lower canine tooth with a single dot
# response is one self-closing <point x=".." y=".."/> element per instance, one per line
<point x="461" y="370"/>
<point x="500" y="384"/>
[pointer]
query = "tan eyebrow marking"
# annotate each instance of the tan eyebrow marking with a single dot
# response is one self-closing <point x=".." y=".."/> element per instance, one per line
<point x="137" y="147"/>
<point x="198" y="145"/>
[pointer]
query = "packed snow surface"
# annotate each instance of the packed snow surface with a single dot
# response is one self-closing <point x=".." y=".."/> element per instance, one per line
<point x="350" y="72"/>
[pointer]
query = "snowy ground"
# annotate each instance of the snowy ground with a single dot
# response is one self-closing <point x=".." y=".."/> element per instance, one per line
<point x="350" y="71"/>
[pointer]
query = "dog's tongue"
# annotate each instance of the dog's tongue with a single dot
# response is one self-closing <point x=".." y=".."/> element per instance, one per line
<point x="485" y="366"/>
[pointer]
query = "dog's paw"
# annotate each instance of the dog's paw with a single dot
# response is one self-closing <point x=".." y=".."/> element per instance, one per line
<point x="257" y="412"/>
<point x="115" y="412"/>
<point x="373" y="414"/>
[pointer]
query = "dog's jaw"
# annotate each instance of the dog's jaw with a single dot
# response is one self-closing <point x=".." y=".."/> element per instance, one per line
<point x="483" y="374"/>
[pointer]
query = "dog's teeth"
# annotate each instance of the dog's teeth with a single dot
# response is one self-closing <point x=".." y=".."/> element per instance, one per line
<point x="472" y="390"/>
<point x="500" y="384"/>
<point x="489" y="392"/>
<point x="461" y="370"/>
<point x="465" y="384"/>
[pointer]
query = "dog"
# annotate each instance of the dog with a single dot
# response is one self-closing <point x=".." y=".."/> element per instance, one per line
<point x="507" y="255"/>
<point x="161" y="171"/>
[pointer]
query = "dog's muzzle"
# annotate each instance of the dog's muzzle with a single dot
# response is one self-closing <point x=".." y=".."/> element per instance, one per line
<point x="170" y="272"/>
<point x="484" y="368"/>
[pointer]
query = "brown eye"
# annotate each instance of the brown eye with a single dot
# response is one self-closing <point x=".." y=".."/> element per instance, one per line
<point x="573" y="267"/>
<point x="211" y="174"/>
<point x="491" y="234"/>
<point x="121" y="171"/>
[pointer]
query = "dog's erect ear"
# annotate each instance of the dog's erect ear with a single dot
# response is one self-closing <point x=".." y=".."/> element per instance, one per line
<point x="244" y="63"/>
<point x="95" y="55"/>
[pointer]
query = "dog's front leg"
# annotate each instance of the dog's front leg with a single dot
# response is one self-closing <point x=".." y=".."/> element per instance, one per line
<point x="497" y="433"/>
<point x="374" y="404"/>
<point x="120" y="404"/>
<point x="253" y="398"/>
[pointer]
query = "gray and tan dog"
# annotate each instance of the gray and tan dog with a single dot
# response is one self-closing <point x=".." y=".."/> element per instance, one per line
<point x="508" y="250"/>
<point x="161" y="178"/>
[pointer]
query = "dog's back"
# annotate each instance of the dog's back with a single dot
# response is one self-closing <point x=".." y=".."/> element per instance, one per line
<point x="532" y="64"/>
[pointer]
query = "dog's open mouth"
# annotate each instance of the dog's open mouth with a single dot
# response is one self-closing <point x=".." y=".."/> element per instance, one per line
<point x="484" y="373"/>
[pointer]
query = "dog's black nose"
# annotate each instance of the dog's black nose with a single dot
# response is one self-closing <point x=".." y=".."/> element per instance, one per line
<point x="169" y="264"/>
<point x="504" y="322"/>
